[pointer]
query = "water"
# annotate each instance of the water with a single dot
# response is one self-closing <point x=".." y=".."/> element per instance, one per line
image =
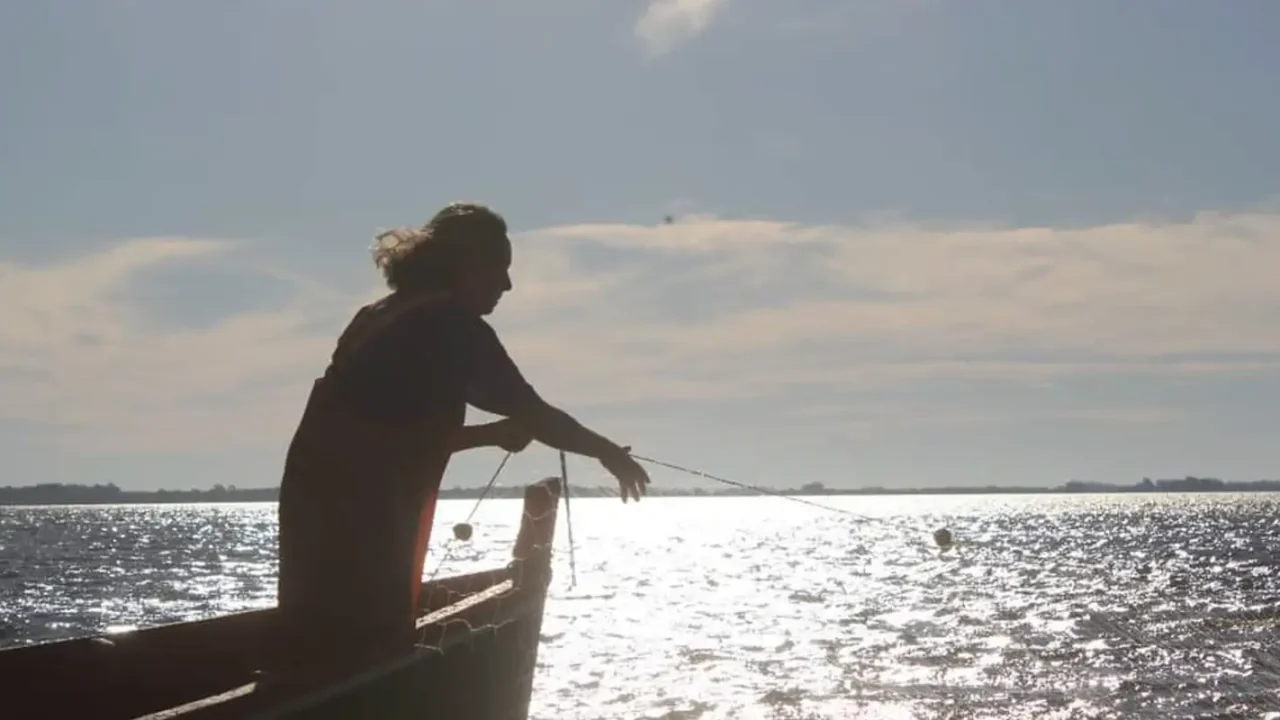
<point x="1052" y="607"/>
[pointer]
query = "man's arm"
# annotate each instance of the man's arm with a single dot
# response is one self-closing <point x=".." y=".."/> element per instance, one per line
<point x="558" y="429"/>
<point x="498" y="387"/>
<point x="555" y="427"/>
<point x="505" y="434"/>
<point x="474" y="436"/>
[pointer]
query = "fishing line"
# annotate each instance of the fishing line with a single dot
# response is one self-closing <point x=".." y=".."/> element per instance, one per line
<point x="1097" y="619"/>
<point x="448" y="548"/>
<point x="745" y="486"/>
<point x="564" y="475"/>
<point x="488" y="487"/>
<point x="901" y="523"/>
<point x="568" y="519"/>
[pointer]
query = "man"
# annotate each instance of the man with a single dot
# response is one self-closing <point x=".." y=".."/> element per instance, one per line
<point x="366" y="461"/>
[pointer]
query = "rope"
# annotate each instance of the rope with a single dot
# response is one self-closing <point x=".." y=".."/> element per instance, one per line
<point x="488" y="487"/>
<point x="1097" y="619"/>
<point x="564" y="476"/>
<point x="448" y="550"/>
<point x="568" y="519"/>
<point x="745" y="486"/>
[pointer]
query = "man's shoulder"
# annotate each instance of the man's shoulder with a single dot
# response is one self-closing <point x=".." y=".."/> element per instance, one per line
<point x="411" y="309"/>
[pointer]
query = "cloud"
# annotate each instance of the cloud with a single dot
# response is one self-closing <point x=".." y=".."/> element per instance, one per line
<point x="81" y="360"/>
<point x="721" y="307"/>
<point x="783" y="315"/>
<point x="668" y="23"/>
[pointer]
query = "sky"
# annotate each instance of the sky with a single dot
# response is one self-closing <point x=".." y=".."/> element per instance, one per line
<point x="915" y="242"/>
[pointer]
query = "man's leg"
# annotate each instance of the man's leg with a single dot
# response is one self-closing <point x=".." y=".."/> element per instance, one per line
<point x="425" y="520"/>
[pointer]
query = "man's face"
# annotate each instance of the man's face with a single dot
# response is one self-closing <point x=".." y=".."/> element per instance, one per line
<point x="483" y="286"/>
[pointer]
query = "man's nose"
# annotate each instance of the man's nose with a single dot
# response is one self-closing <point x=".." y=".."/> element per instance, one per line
<point x="506" y="282"/>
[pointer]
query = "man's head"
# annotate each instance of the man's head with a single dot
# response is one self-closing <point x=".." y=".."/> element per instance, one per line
<point x="463" y="250"/>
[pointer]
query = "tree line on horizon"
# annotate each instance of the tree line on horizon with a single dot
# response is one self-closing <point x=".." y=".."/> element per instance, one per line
<point x="111" y="494"/>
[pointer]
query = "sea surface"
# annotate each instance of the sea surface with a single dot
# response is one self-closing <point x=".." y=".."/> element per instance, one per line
<point x="1050" y="607"/>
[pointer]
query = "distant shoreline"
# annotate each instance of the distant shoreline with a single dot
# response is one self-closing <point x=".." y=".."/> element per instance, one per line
<point x="56" y="494"/>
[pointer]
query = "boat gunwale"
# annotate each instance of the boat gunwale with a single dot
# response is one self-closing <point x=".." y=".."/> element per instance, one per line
<point x="506" y="595"/>
<point x="453" y="629"/>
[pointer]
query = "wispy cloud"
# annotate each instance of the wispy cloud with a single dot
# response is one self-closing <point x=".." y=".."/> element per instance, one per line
<point x="79" y="358"/>
<point x="700" y="309"/>
<point x="668" y="23"/>
<point x="743" y="306"/>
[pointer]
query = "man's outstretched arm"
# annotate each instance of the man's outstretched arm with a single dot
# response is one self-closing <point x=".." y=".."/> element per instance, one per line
<point x="554" y="427"/>
<point x="558" y="429"/>
<point x="499" y="388"/>
<point x="506" y="434"/>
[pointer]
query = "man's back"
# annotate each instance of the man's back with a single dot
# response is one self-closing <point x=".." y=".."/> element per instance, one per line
<point x="361" y="473"/>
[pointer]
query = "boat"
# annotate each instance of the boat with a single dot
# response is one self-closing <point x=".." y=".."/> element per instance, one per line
<point x="475" y="658"/>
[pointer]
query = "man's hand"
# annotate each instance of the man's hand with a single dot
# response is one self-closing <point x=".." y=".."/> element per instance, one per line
<point x="632" y="478"/>
<point x="511" y="435"/>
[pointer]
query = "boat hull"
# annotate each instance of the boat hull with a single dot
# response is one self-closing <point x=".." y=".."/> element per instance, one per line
<point x="475" y="657"/>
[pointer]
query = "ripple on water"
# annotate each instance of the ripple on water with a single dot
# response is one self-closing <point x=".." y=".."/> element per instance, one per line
<point x="1049" y="606"/>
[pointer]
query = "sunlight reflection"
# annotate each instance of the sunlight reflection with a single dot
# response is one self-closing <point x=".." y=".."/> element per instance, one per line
<point x="1049" y="606"/>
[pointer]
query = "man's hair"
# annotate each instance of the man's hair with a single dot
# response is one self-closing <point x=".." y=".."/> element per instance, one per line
<point x="429" y="258"/>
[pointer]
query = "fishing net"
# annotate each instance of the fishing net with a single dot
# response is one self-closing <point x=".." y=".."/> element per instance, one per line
<point x="484" y="628"/>
<point x="857" y="612"/>
<point x="826" y="608"/>
<point x="1090" y="652"/>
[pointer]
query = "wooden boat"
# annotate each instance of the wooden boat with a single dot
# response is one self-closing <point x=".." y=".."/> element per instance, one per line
<point x="476" y="657"/>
